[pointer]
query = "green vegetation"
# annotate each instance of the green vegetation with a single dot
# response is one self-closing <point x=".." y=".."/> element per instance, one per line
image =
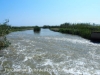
<point x="21" y="28"/>
<point x="82" y="29"/>
<point x="37" y="29"/>
<point x="4" y="42"/>
<point x="47" y="26"/>
<point x="4" y="29"/>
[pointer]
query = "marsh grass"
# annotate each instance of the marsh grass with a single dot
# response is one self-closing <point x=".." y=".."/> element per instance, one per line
<point x="82" y="29"/>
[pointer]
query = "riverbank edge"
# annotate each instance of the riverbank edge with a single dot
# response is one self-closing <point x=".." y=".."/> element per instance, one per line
<point x="58" y="30"/>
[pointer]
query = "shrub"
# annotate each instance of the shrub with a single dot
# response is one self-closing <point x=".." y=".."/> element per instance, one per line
<point x="37" y="29"/>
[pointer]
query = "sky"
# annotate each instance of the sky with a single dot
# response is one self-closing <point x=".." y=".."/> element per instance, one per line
<point x="49" y="12"/>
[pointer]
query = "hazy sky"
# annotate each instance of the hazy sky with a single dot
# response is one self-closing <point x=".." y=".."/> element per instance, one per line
<point x="49" y="12"/>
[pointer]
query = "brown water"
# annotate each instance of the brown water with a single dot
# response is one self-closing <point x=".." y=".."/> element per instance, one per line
<point x="49" y="53"/>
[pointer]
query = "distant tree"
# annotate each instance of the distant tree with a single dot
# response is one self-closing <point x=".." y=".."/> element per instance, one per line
<point x="46" y="26"/>
<point x="65" y="25"/>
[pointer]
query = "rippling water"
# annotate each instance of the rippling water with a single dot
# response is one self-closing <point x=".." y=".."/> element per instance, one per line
<point x="49" y="53"/>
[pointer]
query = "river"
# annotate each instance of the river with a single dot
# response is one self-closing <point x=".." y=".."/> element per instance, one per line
<point x="49" y="53"/>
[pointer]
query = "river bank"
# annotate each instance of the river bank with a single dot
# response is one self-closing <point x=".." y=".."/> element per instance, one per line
<point x="85" y="34"/>
<point x="82" y="29"/>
